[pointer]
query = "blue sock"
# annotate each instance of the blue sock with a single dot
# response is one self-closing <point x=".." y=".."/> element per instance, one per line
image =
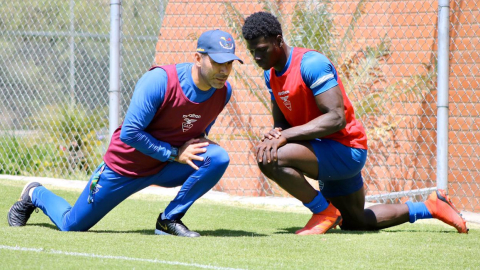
<point x="318" y="204"/>
<point x="417" y="210"/>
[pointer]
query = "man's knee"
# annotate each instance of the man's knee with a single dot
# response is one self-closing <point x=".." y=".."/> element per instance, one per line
<point x="363" y="220"/>
<point x="216" y="156"/>
<point x="272" y="170"/>
<point x="282" y="164"/>
<point x="266" y="168"/>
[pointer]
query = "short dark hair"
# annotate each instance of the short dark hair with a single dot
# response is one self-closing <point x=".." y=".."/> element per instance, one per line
<point x="261" y="24"/>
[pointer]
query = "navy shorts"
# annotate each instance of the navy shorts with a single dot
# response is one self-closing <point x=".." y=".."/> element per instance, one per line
<point x="339" y="167"/>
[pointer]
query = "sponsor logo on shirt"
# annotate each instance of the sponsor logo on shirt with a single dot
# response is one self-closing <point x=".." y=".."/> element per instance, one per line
<point x="188" y="121"/>
<point x="284" y="96"/>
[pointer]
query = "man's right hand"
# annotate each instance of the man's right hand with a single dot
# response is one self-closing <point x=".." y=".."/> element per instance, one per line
<point x="274" y="133"/>
<point x="267" y="149"/>
<point x="190" y="150"/>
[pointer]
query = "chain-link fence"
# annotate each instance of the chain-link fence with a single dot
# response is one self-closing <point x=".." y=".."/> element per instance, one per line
<point x="54" y="84"/>
<point x="54" y="80"/>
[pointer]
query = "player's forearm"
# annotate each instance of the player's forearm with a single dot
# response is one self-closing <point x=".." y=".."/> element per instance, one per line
<point x="146" y="144"/>
<point x="319" y="127"/>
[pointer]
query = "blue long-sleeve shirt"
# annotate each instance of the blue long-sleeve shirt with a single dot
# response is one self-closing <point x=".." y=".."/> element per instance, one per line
<point x="147" y="98"/>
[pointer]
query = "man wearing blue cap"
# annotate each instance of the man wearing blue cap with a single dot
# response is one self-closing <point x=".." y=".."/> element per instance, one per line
<point x="162" y="141"/>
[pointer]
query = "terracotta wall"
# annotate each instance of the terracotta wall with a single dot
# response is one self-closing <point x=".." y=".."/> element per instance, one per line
<point x="407" y="159"/>
<point x="464" y="135"/>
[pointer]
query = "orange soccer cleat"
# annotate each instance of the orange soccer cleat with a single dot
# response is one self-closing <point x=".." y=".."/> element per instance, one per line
<point x="441" y="207"/>
<point x="322" y="222"/>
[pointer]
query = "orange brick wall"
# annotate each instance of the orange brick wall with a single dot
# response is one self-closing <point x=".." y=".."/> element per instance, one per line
<point x="464" y="135"/>
<point x="411" y="27"/>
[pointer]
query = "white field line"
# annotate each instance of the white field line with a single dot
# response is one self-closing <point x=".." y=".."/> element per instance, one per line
<point x="91" y="255"/>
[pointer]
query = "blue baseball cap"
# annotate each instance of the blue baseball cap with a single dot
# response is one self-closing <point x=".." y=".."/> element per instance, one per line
<point x="219" y="45"/>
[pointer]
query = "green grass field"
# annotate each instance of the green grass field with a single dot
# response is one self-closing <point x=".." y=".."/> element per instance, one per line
<point x="234" y="236"/>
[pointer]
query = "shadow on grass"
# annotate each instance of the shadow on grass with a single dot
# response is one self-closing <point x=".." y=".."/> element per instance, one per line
<point x="292" y="230"/>
<point x="53" y="227"/>
<point x="143" y="232"/>
<point x="229" y="233"/>
<point x="46" y="225"/>
<point x="421" y="231"/>
<point x="214" y="233"/>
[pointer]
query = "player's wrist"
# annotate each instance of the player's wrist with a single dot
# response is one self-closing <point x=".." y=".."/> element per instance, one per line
<point x="285" y="137"/>
<point x="173" y="154"/>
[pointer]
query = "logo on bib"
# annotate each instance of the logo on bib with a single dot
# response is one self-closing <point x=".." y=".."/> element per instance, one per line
<point x="284" y="96"/>
<point x="188" y="121"/>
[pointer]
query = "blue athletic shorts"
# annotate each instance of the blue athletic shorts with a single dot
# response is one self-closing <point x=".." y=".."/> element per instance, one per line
<point x="339" y="167"/>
